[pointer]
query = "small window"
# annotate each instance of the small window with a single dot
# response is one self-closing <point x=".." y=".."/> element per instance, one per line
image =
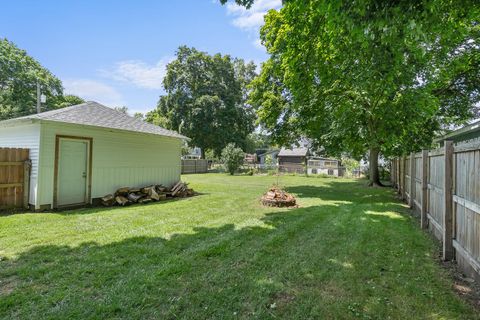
<point x="314" y="171"/>
<point x="330" y="172"/>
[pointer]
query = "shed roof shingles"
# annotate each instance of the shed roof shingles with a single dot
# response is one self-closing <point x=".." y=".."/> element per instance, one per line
<point x="294" y="152"/>
<point x="94" y="114"/>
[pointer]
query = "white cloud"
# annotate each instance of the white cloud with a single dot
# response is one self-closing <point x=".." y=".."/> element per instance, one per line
<point x="251" y="19"/>
<point x="94" y="90"/>
<point x="138" y="73"/>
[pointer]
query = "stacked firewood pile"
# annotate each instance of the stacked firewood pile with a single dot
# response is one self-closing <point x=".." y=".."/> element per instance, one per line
<point x="276" y="197"/>
<point x="126" y="195"/>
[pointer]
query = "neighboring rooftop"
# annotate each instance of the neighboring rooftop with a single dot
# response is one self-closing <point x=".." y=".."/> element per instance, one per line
<point x="293" y="152"/>
<point x="469" y="132"/>
<point x="94" y="114"/>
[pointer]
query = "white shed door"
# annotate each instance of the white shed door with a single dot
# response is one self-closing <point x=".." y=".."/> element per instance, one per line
<point x="72" y="172"/>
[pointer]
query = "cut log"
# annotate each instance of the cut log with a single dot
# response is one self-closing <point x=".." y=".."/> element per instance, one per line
<point x="122" y="191"/>
<point x="145" y="200"/>
<point x="108" y="200"/>
<point x="153" y="194"/>
<point x="160" y="189"/>
<point x="134" y="197"/>
<point x="179" y="189"/>
<point x="121" y="200"/>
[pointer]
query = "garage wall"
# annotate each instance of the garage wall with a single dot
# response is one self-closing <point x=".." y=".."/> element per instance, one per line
<point x="119" y="159"/>
<point x="24" y="136"/>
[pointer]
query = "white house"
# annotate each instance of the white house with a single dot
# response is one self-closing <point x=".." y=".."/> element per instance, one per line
<point x="326" y="166"/>
<point x="83" y="152"/>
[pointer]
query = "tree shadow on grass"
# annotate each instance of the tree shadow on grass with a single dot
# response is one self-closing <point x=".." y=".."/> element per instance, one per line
<point x="354" y="191"/>
<point x="330" y="261"/>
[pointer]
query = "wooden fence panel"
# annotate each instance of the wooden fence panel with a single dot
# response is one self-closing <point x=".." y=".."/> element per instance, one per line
<point x="466" y="207"/>
<point x="435" y="206"/>
<point x="194" y="166"/>
<point x="446" y="185"/>
<point x="14" y="178"/>
<point x="418" y="182"/>
<point x="407" y="182"/>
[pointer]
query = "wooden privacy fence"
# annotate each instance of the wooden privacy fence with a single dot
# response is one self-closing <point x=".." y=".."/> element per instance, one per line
<point x="14" y="178"/>
<point x="194" y="166"/>
<point x="444" y="186"/>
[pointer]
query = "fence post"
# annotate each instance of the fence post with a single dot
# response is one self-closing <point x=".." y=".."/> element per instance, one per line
<point x="412" y="181"/>
<point x="26" y="182"/>
<point x="423" y="212"/>
<point x="404" y="160"/>
<point x="448" y="203"/>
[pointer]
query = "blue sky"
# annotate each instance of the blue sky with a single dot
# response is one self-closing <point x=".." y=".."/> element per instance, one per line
<point x="115" y="52"/>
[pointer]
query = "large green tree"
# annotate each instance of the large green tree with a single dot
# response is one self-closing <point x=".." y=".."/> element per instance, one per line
<point x="19" y="75"/>
<point x="206" y="99"/>
<point x="368" y="76"/>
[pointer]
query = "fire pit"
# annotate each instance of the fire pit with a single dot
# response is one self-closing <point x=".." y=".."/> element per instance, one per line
<point x="276" y="197"/>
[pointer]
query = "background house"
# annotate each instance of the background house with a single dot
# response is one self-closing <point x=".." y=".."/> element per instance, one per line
<point x="86" y="151"/>
<point x="193" y="153"/>
<point x="331" y="167"/>
<point x="293" y="160"/>
<point x="273" y="154"/>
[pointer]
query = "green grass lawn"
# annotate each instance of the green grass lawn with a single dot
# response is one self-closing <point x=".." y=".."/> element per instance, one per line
<point x="348" y="252"/>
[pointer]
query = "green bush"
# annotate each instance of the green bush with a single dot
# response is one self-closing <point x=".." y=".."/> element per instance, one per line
<point x="232" y="158"/>
<point x="272" y="172"/>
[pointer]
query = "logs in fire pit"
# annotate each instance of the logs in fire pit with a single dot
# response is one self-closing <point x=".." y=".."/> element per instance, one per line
<point x="276" y="197"/>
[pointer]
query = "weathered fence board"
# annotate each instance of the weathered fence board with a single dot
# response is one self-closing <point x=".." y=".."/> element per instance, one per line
<point x="445" y="187"/>
<point x="14" y="178"/>
<point x="435" y="182"/>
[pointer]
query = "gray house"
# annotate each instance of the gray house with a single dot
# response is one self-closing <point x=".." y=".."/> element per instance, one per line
<point x="273" y="154"/>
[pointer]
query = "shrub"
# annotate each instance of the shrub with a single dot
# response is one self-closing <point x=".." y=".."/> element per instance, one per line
<point x="232" y="158"/>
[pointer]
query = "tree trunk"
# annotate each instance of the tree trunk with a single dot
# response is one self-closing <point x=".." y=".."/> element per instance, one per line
<point x="373" y="168"/>
<point x="202" y="153"/>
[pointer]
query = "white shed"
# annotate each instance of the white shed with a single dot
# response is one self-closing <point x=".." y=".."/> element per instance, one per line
<point x="83" y="152"/>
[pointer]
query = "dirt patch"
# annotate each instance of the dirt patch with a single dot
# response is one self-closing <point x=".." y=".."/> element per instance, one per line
<point x="465" y="287"/>
<point x="8" y="285"/>
<point x="280" y="300"/>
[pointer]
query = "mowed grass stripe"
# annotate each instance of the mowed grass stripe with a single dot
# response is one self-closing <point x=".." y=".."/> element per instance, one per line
<point x="348" y="252"/>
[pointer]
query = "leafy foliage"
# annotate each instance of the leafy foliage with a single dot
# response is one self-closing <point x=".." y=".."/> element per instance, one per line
<point x="19" y="75"/>
<point x="350" y="164"/>
<point x="369" y="74"/>
<point x="256" y="141"/>
<point x="232" y="158"/>
<point x="67" y="101"/>
<point x="206" y="99"/>
<point x="245" y="3"/>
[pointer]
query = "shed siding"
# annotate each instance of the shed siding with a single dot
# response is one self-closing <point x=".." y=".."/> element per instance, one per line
<point x="24" y="136"/>
<point x="119" y="159"/>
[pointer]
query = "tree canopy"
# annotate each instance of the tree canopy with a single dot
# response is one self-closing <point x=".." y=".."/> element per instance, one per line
<point x="206" y="99"/>
<point x="19" y="75"/>
<point x="368" y="75"/>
